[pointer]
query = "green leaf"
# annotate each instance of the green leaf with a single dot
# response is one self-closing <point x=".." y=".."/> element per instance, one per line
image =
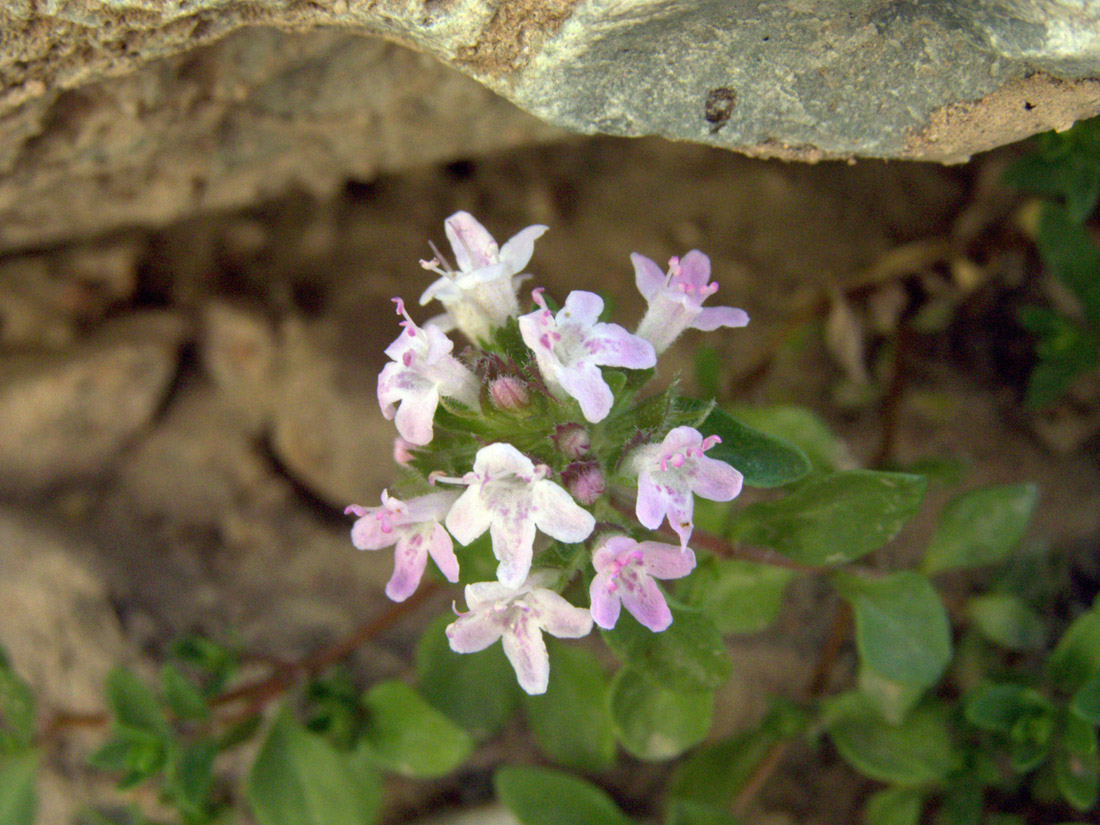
<point x="738" y="596"/>
<point x="132" y="703"/>
<point x="1078" y="779"/>
<point x="690" y="654"/>
<point x="916" y="753"/>
<point x="183" y="698"/>
<point x="17" y="705"/>
<point x="1069" y="254"/>
<point x="708" y="371"/>
<point x="18" y="792"/>
<point x="299" y="779"/>
<point x="835" y="518"/>
<point x="190" y="777"/>
<point x="980" y="527"/>
<point x="407" y="735"/>
<point x="1000" y="707"/>
<point x="902" y="631"/>
<point x="962" y="804"/>
<point x="571" y="721"/>
<point x="685" y="812"/>
<point x="654" y="721"/>
<point x="1007" y="621"/>
<point x="1086" y="701"/>
<point x="538" y="796"/>
<point x="478" y="691"/>
<point x="1076" y="658"/>
<point x="893" y="699"/>
<point x="1079" y="735"/>
<point x="801" y="427"/>
<point x="1065" y="350"/>
<point x="893" y="806"/>
<point x="216" y="661"/>
<point x="715" y="773"/>
<point x="765" y="461"/>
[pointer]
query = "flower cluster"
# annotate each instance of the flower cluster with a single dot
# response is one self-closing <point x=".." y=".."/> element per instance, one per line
<point x="535" y="429"/>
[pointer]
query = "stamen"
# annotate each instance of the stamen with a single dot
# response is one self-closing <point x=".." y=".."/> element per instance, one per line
<point x="441" y="259"/>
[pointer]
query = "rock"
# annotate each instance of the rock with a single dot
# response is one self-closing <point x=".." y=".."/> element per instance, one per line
<point x="238" y="350"/>
<point x="67" y="414"/>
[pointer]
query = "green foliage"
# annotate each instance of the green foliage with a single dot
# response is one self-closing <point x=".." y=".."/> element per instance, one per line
<point x="765" y="461"/>
<point x="798" y="426"/>
<point x="478" y="692"/>
<point x="571" y="721"/>
<point x="1005" y="619"/>
<point x="405" y="734"/>
<point x="980" y="527"/>
<point x="915" y="753"/>
<point x="1064" y="166"/>
<point x="300" y="779"/>
<point x="17" y="708"/>
<point x="738" y="596"/>
<point x="18" y="796"/>
<point x="685" y="812"/>
<point x="656" y="721"/>
<point x="690" y="654"/>
<point x="708" y="371"/>
<point x="1024" y="719"/>
<point x="894" y="806"/>
<point x="1076" y="657"/>
<point x="1086" y="701"/>
<point x="538" y="796"/>
<point x="834" y="518"/>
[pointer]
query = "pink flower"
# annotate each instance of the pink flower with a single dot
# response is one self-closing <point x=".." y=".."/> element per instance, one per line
<point x="509" y="496"/>
<point x="415" y="527"/>
<point x="676" y="299"/>
<point x="421" y="371"/>
<point x="518" y="616"/>
<point x="481" y="295"/>
<point x="571" y="347"/>
<point x="669" y="472"/>
<point x="625" y="570"/>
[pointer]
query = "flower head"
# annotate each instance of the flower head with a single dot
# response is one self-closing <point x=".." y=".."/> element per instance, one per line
<point x="415" y="527"/>
<point x="509" y="496"/>
<point x="625" y="570"/>
<point x="571" y="346"/>
<point x="676" y="299"/>
<point x="669" y="472"/>
<point x="481" y="295"/>
<point x="518" y="616"/>
<point x="422" y="370"/>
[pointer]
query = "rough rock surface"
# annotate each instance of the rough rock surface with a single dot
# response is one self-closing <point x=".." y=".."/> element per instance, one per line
<point x="67" y="414"/>
<point x="225" y="109"/>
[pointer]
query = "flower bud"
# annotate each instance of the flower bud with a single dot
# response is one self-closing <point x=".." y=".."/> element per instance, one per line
<point x="584" y="480"/>
<point x="572" y="439"/>
<point x="508" y="393"/>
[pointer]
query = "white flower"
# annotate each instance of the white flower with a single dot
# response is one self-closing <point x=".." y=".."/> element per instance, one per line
<point x="676" y="300"/>
<point x="509" y="496"/>
<point x="422" y="370"/>
<point x="415" y="527"/>
<point x="571" y="346"/>
<point x="518" y="616"/>
<point x="669" y="472"/>
<point x="481" y="295"/>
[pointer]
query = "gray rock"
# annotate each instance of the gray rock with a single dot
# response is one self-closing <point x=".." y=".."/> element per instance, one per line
<point x="239" y="351"/>
<point x="67" y="414"/>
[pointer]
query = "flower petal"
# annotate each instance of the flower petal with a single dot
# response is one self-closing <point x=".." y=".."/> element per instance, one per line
<point x="409" y="560"/>
<point x="367" y="532"/>
<point x="581" y="308"/>
<point x="650" y="507"/>
<point x="468" y="517"/>
<point x="610" y="345"/>
<point x="583" y="382"/>
<point x="442" y="551"/>
<point x="557" y="515"/>
<point x="558" y="617"/>
<point x="666" y="561"/>
<point x="711" y="318"/>
<point x="645" y="602"/>
<point x="525" y="649"/>
<point x="694" y="269"/>
<point x="473" y="246"/>
<point x="647" y="275"/>
<point x="713" y="479"/>
<point x="415" y="415"/>
<point x="518" y="249"/>
<point x="474" y="632"/>
<point x="513" y="541"/>
<point x="605" y="602"/>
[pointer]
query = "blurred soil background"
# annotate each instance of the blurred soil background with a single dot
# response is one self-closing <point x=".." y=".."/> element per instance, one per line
<point x="185" y="412"/>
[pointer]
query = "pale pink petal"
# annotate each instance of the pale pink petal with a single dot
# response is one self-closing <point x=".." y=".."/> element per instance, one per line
<point x="468" y="517"/>
<point x="666" y="561"/>
<point x="713" y="479"/>
<point x="517" y="251"/>
<point x="558" y="617"/>
<point x="650" y="507"/>
<point x="711" y="318"/>
<point x="481" y="594"/>
<point x="611" y="549"/>
<point x="367" y="532"/>
<point x="409" y="559"/>
<point x="646" y="603"/>
<point x="605" y="602"/>
<point x="501" y="459"/>
<point x="679" y="506"/>
<point x="430" y="507"/>
<point x="513" y="539"/>
<point x="415" y="415"/>
<point x="695" y="269"/>
<point x="442" y="551"/>
<point x="647" y="275"/>
<point x="584" y="383"/>
<point x="680" y="438"/>
<point x="474" y="632"/>
<point x="612" y="346"/>
<point x="582" y="308"/>
<point x="525" y="649"/>
<point x="473" y="246"/>
<point x="557" y="515"/>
